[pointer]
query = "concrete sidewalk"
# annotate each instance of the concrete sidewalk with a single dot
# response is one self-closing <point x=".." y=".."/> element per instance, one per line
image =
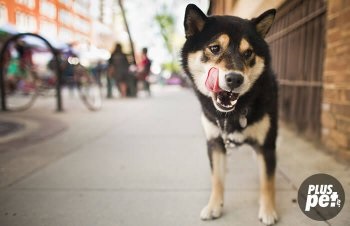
<point x="144" y="162"/>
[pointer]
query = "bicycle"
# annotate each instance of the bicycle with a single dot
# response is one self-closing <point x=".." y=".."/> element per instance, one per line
<point x="26" y="74"/>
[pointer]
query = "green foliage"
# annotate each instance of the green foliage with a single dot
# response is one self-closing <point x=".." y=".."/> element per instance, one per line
<point x="172" y="66"/>
<point x="166" y="24"/>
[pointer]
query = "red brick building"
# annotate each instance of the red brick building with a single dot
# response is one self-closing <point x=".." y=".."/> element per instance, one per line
<point x="69" y="20"/>
<point x="336" y="79"/>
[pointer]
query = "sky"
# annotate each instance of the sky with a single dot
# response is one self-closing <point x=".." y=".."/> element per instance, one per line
<point x="144" y="29"/>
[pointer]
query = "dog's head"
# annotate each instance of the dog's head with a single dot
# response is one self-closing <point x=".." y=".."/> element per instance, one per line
<point x="225" y="55"/>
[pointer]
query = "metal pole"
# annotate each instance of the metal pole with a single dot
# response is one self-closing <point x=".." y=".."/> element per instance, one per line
<point x="59" y="107"/>
<point x="2" y="84"/>
<point x="2" y="77"/>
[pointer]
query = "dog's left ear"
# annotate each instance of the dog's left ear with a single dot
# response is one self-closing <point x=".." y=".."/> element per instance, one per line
<point x="194" y="20"/>
<point x="264" y="21"/>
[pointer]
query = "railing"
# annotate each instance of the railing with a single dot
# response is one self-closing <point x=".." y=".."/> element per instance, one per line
<point x="297" y="41"/>
<point x="57" y="69"/>
<point x="22" y="81"/>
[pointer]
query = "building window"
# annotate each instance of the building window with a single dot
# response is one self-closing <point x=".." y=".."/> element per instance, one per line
<point x="3" y="14"/>
<point x="107" y="12"/>
<point x="95" y="9"/>
<point x="81" y="25"/>
<point x="28" y="3"/>
<point x="82" y="7"/>
<point x="79" y="37"/>
<point x="48" y="28"/>
<point x="48" y="9"/>
<point x="66" y="35"/>
<point x="65" y="17"/>
<point x="66" y="2"/>
<point x="25" y="22"/>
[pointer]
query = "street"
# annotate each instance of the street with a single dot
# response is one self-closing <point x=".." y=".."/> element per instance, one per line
<point x="141" y="162"/>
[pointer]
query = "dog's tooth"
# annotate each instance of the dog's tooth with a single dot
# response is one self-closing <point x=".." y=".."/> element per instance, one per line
<point x="233" y="102"/>
<point x="227" y="105"/>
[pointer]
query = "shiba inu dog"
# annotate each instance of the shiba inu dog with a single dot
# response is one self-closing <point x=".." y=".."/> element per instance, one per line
<point x="228" y="62"/>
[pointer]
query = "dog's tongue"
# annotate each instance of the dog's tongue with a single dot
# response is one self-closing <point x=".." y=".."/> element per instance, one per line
<point x="212" y="82"/>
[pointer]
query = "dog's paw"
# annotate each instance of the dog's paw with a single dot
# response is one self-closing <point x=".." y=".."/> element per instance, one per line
<point x="267" y="215"/>
<point x="210" y="212"/>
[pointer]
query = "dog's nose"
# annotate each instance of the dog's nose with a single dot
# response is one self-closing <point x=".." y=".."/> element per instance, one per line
<point x="234" y="80"/>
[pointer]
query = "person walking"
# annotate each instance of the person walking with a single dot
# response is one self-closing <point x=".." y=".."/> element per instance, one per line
<point x="118" y="68"/>
<point x="144" y="69"/>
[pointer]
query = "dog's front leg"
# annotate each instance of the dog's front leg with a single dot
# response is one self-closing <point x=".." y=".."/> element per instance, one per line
<point x="217" y="159"/>
<point x="267" y="165"/>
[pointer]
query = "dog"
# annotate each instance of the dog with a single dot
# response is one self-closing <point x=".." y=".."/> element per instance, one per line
<point x="228" y="63"/>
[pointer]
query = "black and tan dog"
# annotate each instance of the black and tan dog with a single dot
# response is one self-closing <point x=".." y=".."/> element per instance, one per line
<point x="228" y="62"/>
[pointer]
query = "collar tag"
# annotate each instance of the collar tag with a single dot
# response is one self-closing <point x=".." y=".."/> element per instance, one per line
<point x="243" y="121"/>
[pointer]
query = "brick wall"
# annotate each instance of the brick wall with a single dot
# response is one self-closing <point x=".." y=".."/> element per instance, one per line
<point x="336" y="77"/>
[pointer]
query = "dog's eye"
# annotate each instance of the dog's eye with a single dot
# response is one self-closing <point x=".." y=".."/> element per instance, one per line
<point x="248" y="53"/>
<point x="215" y="49"/>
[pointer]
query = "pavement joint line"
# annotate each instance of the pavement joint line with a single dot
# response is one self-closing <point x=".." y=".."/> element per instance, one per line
<point x="65" y="154"/>
<point x="285" y="176"/>
<point x="318" y="212"/>
<point x="128" y="190"/>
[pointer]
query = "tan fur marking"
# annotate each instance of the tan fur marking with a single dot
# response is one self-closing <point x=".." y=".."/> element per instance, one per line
<point x="244" y="45"/>
<point x="258" y="130"/>
<point x="252" y="74"/>
<point x="267" y="184"/>
<point x="221" y="64"/>
<point x="214" y="207"/>
<point x="267" y="190"/>
<point x="217" y="194"/>
<point x="223" y="41"/>
<point x="257" y="69"/>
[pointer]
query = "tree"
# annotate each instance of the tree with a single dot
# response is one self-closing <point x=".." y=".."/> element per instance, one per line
<point x="120" y="2"/>
<point x="166" y="23"/>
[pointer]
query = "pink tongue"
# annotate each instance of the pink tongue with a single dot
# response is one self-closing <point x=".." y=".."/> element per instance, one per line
<point x="212" y="82"/>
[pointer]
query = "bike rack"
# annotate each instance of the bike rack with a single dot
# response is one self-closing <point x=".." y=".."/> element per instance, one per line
<point x="57" y="70"/>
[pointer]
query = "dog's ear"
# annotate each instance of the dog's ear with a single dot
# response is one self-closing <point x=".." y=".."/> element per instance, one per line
<point x="263" y="22"/>
<point x="194" y="20"/>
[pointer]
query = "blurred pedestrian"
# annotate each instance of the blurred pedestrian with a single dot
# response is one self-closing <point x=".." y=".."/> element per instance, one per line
<point x="70" y="60"/>
<point x="25" y="56"/>
<point x="98" y="71"/>
<point x="118" y="68"/>
<point x="144" y="69"/>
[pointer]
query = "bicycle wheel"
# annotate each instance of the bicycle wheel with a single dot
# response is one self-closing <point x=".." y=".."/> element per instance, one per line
<point x="23" y="93"/>
<point x="20" y="79"/>
<point x="89" y="89"/>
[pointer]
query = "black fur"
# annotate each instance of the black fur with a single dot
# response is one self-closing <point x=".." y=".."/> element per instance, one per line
<point x="215" y="144"/>
<point x="261" y="99"/>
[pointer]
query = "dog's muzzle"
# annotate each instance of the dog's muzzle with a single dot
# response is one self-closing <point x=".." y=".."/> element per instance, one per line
<point x="223" y="99"/>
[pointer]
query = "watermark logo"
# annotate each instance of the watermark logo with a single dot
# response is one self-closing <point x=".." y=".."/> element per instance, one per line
<point x="321" y="197"/>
